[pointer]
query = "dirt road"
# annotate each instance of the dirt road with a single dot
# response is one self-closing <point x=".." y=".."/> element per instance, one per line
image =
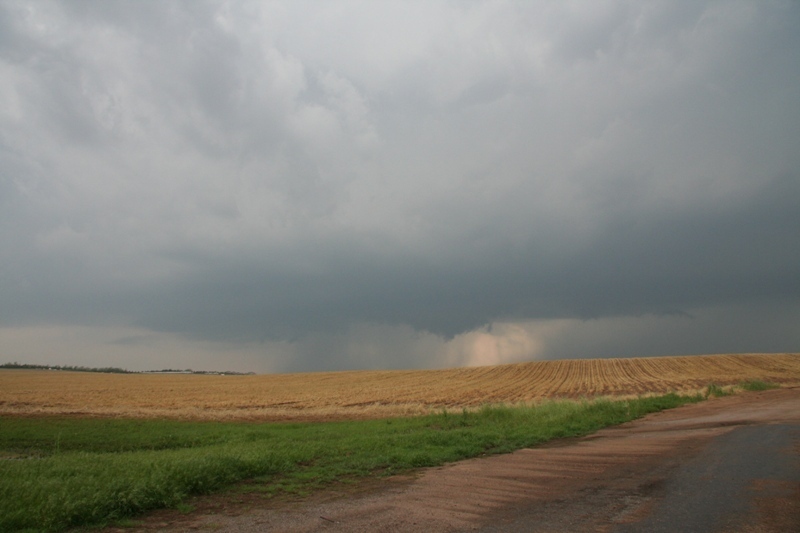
<point x="729" y="464"/>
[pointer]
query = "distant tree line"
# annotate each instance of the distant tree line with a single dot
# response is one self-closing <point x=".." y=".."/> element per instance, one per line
<point x="69" y="368"/>
<point x="115" y="370"/>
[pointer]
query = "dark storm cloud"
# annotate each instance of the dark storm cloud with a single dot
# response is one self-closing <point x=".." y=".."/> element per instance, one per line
<point x="634" y="266"/>
<point x="246" y="172"/>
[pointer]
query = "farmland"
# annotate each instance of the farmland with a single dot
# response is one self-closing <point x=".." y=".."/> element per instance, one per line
<point x="373" y="394"/>
<point x="86" y="449"/>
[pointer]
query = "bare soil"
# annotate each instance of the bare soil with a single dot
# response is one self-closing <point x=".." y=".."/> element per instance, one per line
<point x="356" y="395"/>
<point x="637" y="476"/>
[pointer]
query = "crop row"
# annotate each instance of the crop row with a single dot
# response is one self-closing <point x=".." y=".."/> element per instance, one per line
<point x="370" y="394"/>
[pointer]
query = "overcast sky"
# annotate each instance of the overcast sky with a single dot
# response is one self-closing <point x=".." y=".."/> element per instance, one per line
<point x="289" y="186"/>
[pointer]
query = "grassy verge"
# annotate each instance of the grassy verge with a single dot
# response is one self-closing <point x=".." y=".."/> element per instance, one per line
<point x="61" y="472"/>
<point x="758" y="385"/>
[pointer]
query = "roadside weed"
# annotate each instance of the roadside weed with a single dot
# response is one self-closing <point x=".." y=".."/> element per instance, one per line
<point x="758" y="385"/>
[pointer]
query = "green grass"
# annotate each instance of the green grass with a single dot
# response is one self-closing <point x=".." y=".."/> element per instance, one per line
<point x="717" y="391"/>
<point x="56" y="473"/>
<point x="758" y="385"/>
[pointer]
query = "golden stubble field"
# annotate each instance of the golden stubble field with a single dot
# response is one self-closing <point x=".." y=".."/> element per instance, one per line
<point x="370" y="394"/>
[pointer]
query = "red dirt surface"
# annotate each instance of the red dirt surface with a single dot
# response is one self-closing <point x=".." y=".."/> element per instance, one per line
<point x="612" y="481"/>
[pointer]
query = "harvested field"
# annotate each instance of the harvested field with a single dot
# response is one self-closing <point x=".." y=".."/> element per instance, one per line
<point x="372" y="394"/>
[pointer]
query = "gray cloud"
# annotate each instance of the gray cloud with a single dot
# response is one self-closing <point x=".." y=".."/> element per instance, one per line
<point x="291" y="176"/>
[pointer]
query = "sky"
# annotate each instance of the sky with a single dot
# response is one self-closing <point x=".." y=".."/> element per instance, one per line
<point x="291" y="186"/>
